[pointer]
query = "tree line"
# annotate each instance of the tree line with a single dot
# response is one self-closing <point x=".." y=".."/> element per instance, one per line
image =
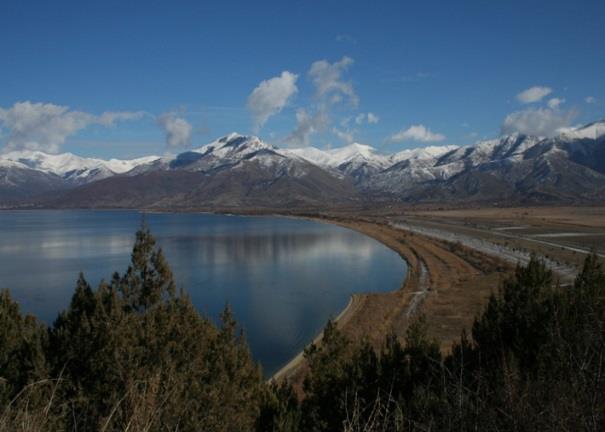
<point x="134" y="354"/>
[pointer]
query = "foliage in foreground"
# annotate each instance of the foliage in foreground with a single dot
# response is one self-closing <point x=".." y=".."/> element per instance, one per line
<point x="535" y="361"/>
<point x="130" y="355"/>
<point x="133" y="354"/>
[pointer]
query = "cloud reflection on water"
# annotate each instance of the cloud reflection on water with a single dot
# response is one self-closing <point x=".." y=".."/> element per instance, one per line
<point x="283" y="277"/>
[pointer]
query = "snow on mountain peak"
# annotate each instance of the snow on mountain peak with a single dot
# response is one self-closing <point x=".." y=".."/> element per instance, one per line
<point x="593" y="131"/>
<point x="363" y="163"/>
<point x="234" y="145"/>
<point x="421" y="153"/>
<point x="354" y="153"/>
<point x="70" y="166"/>
<point x="356" y="150"/>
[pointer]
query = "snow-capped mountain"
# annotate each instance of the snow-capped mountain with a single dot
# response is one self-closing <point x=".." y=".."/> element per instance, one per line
<point x="233" y="152"/>
<point x="422" y="153"/>
<point x="362" y="162"/>
<point x="19" y="182"/>
<point x="516" y="168"/>
<point x="230" y="151"/>
<point x="358" y="161"/>
<point x="235" y="170"/>
<point x="590" y="131"/>
<point x="352" y="154"/>
<point x="238" y="170"/>
<point x="438" y="165"/>
<point x="73" y="169"/>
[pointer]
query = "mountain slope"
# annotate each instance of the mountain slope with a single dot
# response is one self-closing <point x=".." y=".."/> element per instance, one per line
<point x="358" y="161"/>
<point x="518" y="169"/>
<point x="244" y="171"/>
<point x="20" y="183"/>
<point x="233" y="171"/>
<point x="75" y="170"/>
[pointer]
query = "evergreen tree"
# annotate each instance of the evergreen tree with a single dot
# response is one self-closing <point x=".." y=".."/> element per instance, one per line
<point x="22" y="344"/>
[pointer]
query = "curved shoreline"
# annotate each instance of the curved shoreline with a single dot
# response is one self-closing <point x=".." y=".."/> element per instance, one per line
<point x="298" y="358"/>
<point x="448" y="283"/>
<point x="356" y="301"/>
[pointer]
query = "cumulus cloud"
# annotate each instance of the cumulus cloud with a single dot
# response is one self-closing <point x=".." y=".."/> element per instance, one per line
<point x="554" y="103"/>
<point x="533" y="94"/>
<point x="306" y="125"/>
<point x="370" y="118"/>
<point x="46" y="126"/>
<point x="177" y="129"/>
<point x="327" y="78"/>
<point x="416" y="133"/>
<point x="545" y="122"/>
<point x="590" y="100"/>
<point x="330" y="89"/>
<point x="271" y="96"/>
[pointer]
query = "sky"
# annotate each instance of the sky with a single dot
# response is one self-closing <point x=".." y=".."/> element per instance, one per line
<point x="126" y="79"/>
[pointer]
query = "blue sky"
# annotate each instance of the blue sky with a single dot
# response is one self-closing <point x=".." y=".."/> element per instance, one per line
<point x="173" y="75"/>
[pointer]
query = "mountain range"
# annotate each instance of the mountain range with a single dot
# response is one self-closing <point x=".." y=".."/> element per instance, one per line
<point x="239" y="171"/>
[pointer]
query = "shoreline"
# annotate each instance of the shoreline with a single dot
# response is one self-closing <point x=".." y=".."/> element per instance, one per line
<point x="296" y="361"/>
<point x="449" y="285"/>
<point x="356" y="302"/>
<point x="353" y="307"/>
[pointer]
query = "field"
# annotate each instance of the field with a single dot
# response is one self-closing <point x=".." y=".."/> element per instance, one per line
<point x="564" y="234"/>
<point x="456" y="259"/>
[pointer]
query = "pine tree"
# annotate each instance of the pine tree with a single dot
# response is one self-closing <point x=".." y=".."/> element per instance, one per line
<point x="23" y="341"/>
<point x="148" y="279"/>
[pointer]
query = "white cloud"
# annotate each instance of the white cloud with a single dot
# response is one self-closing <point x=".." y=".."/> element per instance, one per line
<point x="370" y="118"/>
<point x="590" y="100"/>
<point x="554" y="103"/>
<point x="330" y="89"/>
<point x="307" y="125"/>
<point x="416" y="133"/>
<point x="271" y="96"/>
<point x="177" y="129"/>
<point x="533" y="94"/>
<point x="327" y="78"/>
<point x="539" y="122"/>
<point x="347" y="136"/>
<point x="346" y="121"/>
<point x="373" y="118"/>
<point x="46" y="126"/>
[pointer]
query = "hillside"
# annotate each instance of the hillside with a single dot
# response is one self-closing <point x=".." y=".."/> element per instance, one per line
<point x="244" y="171"/>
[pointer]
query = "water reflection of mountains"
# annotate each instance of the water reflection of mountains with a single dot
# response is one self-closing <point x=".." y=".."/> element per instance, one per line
<point x="248" y="248"/>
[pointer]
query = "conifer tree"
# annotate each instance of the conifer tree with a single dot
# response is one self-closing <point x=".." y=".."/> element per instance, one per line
<point x="23" y="342"/>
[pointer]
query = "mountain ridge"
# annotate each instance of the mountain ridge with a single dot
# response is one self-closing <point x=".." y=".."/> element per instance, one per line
<point x="246" y="171"/>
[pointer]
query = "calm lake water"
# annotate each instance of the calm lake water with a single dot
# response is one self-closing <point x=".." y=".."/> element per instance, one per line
<point x="283" y="277"/>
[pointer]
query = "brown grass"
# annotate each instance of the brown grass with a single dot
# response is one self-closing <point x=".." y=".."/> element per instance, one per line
<point x="457" y="284"/>
<point x="593" y="217"/>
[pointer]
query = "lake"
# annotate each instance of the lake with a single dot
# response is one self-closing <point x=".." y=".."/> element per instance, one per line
<point x="283" y="277"/>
